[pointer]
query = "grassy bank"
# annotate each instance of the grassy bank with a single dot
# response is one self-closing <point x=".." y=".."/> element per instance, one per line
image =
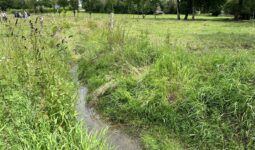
<point x="175" y="80"/>
<point x="37" y="93"/>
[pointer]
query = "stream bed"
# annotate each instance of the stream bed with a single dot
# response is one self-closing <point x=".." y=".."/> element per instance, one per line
<point x="94" y="123"/>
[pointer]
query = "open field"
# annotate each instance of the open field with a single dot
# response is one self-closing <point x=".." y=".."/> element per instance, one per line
<point x="171" y="84"/>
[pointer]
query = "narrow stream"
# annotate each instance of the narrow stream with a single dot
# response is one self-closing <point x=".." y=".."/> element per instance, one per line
<point x="93" y="122"/>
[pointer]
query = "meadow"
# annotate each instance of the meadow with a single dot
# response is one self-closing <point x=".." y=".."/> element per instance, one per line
<point x="173" y="84"/>
<point x="170" y="84"/>
<point x="38" y="94"/>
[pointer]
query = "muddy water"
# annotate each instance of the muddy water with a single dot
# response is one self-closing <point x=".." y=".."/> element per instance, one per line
<point x="93" y="122"/>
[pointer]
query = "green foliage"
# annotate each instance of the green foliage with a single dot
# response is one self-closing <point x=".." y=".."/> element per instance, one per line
<point x="241" y="9"/>
<point x="63" y="3"/>
<point x="74" y="4"/>
<point x="90" y="5"/>
<point x="4" y="4"/>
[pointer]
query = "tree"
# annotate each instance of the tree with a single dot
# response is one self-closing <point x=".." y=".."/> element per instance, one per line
<point x="5" y="4"/>
<point x="19" y="4"/>
<point x="43" y="3"/>
<point x="143" y="7"/>
<point x="31" y="4"/>
<point x="215" y="6"/>
<point x="178" y="9"/>
<point x="251" y="3"/>
<point x="110" y="5"/>
<point x="54" y="4"/>
<point x="90" y="5"/>
<point x="187" y="6"/>
<point x="63" y="3"/>
<point x="131" y="7"/>
<point x="241" y="9"/>
<point x="190" y="6"/>
<point x="74" y="5"/>
<point x="212" y="6"/>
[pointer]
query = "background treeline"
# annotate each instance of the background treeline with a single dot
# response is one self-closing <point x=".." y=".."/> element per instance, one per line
<point x="241" y="9"/>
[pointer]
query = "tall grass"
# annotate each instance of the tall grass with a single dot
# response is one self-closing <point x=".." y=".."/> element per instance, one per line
<point x="203" y="98"/>
<point x="37" y="94"/>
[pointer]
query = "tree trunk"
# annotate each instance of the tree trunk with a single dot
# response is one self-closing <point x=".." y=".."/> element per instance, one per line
<point x="188" y="9"/>
<point x="178" y="9"/>
<point x="186" y="16"/>
<point x="239" y="11"/>
<point x="193" y="10"/>
<point x="112" y="8"/>
<point x="74" y="12"/>
<point x="193" y="13"/>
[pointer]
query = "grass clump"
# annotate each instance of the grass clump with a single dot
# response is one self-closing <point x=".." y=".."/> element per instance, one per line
<point x="38" y="95"/>
<point x="202" y="97"/>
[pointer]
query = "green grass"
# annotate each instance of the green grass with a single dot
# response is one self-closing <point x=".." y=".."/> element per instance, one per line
<point x="37" y="92"/>
<point x="181" y="84"/>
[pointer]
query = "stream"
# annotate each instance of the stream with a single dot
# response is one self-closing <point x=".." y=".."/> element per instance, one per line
<point x="94" y="123"/>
